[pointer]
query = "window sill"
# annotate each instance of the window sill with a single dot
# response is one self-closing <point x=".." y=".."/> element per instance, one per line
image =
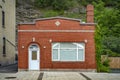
<point x="68" y="61"/>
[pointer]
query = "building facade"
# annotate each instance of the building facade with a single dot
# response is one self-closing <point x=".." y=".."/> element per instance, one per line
<point x="7" y="32"/>
<point x="57" y="43"/>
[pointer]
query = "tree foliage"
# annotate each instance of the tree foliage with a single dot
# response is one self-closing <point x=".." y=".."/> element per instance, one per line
<point x="98" y="38"/>
<point x="43" y="3"/>
<point x="55" y="4"/>
<point x="108" y="20"/>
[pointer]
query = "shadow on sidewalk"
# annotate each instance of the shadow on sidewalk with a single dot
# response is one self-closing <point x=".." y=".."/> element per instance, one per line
<point x="13" y="68"/>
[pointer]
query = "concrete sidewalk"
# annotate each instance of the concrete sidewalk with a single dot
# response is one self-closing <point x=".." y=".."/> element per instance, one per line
<point x="10" y="73"/>
<point x="102" y="76"/>
<point x="62" y="76"/>
<point x="37" y="75"/>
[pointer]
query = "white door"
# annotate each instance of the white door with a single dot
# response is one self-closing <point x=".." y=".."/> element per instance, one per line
<point x="34" y="55"/>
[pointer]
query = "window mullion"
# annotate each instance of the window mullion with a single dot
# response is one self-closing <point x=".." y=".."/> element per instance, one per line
<point x="59" y="52"/>
<point x="77" y="53"/>
<point x="84" y="53"/>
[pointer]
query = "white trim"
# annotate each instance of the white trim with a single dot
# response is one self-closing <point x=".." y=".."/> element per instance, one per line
<point x="77" y="53"/>
<point x="56" y="30"/>
<point x="58" y="17"/>
<point x="55" y="45"/>
<point x="84" y="52"/>
<point x="38" y="56"/>
<point x="59" y="53"/>
<point x="81" y="46"/>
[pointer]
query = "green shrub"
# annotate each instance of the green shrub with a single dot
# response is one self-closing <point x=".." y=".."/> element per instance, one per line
<point x="72" y="15"/>
<point x="110" y="53"/>
<point x="55" y="4"/>
<point x="98" y="45"/>
<point x="104" y="69"/>
<point x="50" y="13"/>
<point x="42" y="3"/>
<point x="106" y="63"/>
<point x="60" y="4"/>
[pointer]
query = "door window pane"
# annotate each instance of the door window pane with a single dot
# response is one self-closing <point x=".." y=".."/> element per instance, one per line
<point x="34" y="55"/>
<point x="33" y="47"/>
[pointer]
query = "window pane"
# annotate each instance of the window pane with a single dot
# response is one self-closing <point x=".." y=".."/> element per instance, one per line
<point x="67" y="45"/>
<point x="68" y="54"/>
<point x="55" y="54"/>
<point x="55" y="45"/>
<point x="68" y="51"/>
<point x="3" y="18"/>
<point x="80" y="45"/>
<point x="4" y="46"/>
<point x="34" y="55"/>
<point x="80" y="54"/>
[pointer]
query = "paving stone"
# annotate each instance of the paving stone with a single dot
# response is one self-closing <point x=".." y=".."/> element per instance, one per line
<point x="62" y="76"/>
<point x="34" y="75"/>
<point x="103" y="76"/>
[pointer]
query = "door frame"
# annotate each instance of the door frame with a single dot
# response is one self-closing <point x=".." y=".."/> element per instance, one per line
<point x="29" y="52"/>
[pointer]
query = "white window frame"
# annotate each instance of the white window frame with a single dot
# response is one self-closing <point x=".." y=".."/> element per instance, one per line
<point x="79" y="46"/>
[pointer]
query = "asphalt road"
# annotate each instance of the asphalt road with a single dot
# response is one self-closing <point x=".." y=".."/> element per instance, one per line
<point x="9" y="69"/>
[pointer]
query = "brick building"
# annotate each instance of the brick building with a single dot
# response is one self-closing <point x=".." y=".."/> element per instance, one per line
<point x="57" y="43"/>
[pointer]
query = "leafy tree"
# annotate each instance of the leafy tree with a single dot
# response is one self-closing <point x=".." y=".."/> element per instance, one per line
<point x="60" y="4"/>
<point x="108" y="20"/>
<point x="43" y="3"/>
<point x="111" y="43"/>
<point x="98" y="38"/>
<point x="55" y="4"/>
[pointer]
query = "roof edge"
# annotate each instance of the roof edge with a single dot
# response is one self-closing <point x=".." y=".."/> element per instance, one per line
<point x="49" y="18"/>
<point x="21" y="23"/>
<point x="58" y="17"/>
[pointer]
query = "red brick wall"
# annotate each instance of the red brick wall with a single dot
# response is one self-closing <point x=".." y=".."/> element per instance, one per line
<point x="42" y="39"/>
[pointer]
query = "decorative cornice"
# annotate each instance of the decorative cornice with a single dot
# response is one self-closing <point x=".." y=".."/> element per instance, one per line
<point x="42" y="19"/>
<point x="50" y="18"/>
<point x="58" y="17"/>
